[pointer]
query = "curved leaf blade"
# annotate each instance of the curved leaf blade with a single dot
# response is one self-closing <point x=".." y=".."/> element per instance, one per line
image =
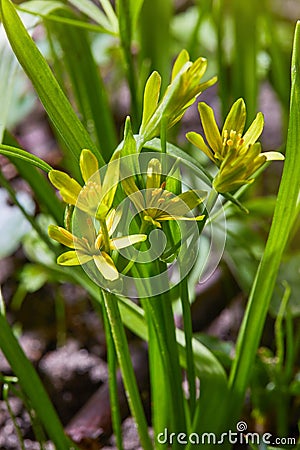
<point x="59" y="110"/>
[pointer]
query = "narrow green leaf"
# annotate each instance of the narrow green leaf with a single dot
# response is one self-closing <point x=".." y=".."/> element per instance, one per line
<point x="44" y="193"/>
<point x="135" y="8"/>
<point x="14" y="152"/>
<point x="8" y="70"/>
<point x="286" y="205"/>
<point x="87" y="85"/>
<point x="64" y="119"/>
<point x="45" y="10"/>
<point x="90" y="9"/>
<point x="110" y="13"/>
<point x="32" y="387"/>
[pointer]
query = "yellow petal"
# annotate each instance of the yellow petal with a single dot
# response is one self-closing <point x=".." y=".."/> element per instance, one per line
<point x="112" y="220"/>
<point x="106" y="266"/>
<point x="273" y="156"/>
<point x="88" y="165"/>
<point x="254" y="131"/>
<point x="72" y="258"/>
<point x="151" y="97"/>
<point x="68" y="187"/>
<point x="180" y="61"/>
<point x="181" y="218"/>
<point x="126" y="241"/>
<point x="210" y="127"/>
<point x="153" y="174"/>
<point x="62" y="236"/>
<point x="197" y="140"/>
<point x="236" y="118"/>
<point x="152" y="221"/>
<point x="133" y="191"/>
<point x="111" y="178"/>
<point x="193" y="198"/>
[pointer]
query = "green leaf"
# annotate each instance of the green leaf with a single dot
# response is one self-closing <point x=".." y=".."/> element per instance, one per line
<point x="14" y="152"/>
<point x="44" y="6"/>
<point x="32" y="386"/>
<point x="135" y="8"/>
<point x="40" y="185"/>
<point x="8" y="70"/>
<point x="289" y="273"/>
<point x="86" y="84"/>
<point x="64" y="119"/>
<point x="90" y="9"/>
<point x="284" y="216"/>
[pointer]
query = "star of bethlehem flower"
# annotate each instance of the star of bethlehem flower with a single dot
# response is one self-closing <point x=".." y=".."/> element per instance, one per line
<point x="184" y="88"/>
<point x="156" y="203"/>
<point x="94" y="201"/>
<point x="95" y="197"/>
<point x="95" y="245"/>
<point x="237" y="155"/>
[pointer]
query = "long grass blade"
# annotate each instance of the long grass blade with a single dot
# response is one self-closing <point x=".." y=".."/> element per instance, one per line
<point x="32" y="386"/>
<point x="287" y="202"/>
<point x="87" y="86"/>
<point x="60" y="112"/>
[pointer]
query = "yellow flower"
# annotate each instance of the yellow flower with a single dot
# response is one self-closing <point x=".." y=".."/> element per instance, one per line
<point x="94" y="197"/>
<point x="94" y="246"/>
<point x="158" y="204"/>
<point x="236" y="154"/>
<point x="183" y="90"/>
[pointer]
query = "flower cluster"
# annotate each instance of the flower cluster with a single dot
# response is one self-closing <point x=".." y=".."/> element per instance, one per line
<point x="156" y="204"/>
<point x="237" y="155"/>
<point x="95" y="199"/>
<point x="184" y="88"/>
<point x="99" y="220"/>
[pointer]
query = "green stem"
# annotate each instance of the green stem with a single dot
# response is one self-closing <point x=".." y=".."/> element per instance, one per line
<point x="5" y="392"/>
<point x="112" y="378"/>
<point x="188" y="334"/>
<point x="159" y="312"/>
<point x="121" y="346"/>
<point x="278" y="328"/>
<point x="124" y="17"/>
